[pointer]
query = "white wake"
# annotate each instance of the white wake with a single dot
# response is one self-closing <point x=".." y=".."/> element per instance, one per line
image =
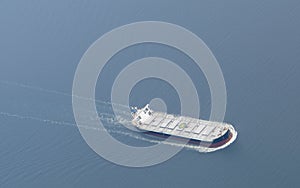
<point x="111" y="119"/>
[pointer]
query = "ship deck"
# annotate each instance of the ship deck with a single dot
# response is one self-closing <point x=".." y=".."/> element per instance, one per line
<point x="182" y="126"/>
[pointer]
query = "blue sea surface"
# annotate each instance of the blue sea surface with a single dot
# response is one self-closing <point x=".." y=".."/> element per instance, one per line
<point x="256" y="43"/>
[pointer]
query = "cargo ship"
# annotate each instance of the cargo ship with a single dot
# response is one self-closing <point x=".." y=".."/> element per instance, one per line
<point x="206" y="135"/>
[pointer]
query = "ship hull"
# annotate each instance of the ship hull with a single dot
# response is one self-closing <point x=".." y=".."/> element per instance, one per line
<point x="207" y="136"/>
<point x="215" y="144"/>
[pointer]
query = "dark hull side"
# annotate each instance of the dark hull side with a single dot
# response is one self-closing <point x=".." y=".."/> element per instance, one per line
<point x="216" y="143"/>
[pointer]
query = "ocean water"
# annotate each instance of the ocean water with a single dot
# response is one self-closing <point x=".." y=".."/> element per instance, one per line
<point x="256" y="44"/>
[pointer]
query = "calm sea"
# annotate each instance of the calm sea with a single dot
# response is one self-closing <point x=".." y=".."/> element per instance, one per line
<point x="256" y="44"/>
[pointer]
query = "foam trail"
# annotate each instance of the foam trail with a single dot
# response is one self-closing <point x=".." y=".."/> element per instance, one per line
<point x="120" y="111"/>
<point x="112" y="120"/>
<point x="64" y="123"/>
<point x="57" y="92"/>
<point x="125" y="133"/>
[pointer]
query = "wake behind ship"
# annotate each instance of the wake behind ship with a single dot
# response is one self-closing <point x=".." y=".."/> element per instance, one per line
<point x="208" y="136"/>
